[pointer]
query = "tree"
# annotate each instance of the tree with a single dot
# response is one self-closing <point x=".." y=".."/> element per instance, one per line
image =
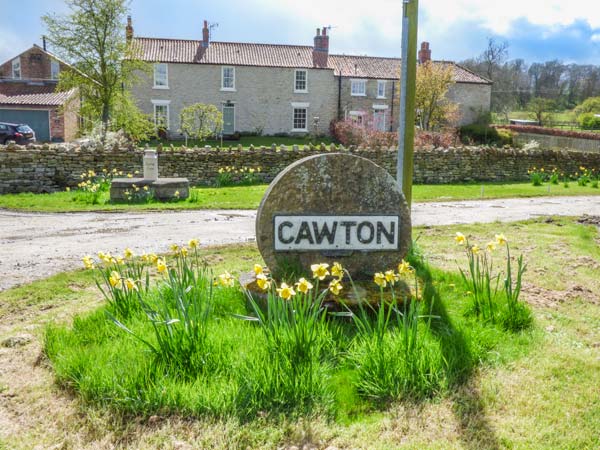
<point x="541" y="109"/>
<point x="200" y="121"/>
<point x="91" y="38"/>
<point x="493" y="56"/>
<point x="432" y="106"/>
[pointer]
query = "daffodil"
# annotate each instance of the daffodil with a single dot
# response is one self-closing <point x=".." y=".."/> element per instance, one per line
<point x="404" y="267"/>
<point x="475" y="249"/>
<point x="320" y="270"/>
<point x="115" y="280"/>
<point x="174" y="248"/>
<point x="226" y="279"/>
<point x="194" y="243"/>
<point x="153" y="258"/>
<point x="130" y="285"/>
<point x="161" y="265"/>
<point x="390" y="276"/>
<point x="88" y="262"/>
<point x="285" y="292"/>
<point x="263" y="282"/>
<point x="183" y="251"/>
<point x="303" y="285"/>
<point x="500" y="239"/>
<point x="258" y="269"/>
<point x="128" y="253"/>
<point x="379" y="280"/>
<point x="491" y="246"/>
<point x="337" y="271"/>
<point x="129" y="175"/>
<point x="460" y="238"/>
<point x="335" y="287"/>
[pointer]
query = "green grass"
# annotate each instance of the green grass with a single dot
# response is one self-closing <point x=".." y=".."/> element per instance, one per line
<point x="246" y="141"/>
<point x="249" y="197"/>
<point x="540" y="396"/>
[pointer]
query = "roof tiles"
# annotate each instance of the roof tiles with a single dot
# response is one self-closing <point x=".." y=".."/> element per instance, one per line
<point x="48" y="99"/>
<point x="273" y="55"/>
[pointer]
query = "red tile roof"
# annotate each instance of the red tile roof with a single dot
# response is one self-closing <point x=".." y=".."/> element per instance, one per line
<point x="50" y="99"/>
<point x="274" y="55"/>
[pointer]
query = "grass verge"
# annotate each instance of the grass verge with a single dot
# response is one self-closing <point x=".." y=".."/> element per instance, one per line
<point x="249" y="197"/>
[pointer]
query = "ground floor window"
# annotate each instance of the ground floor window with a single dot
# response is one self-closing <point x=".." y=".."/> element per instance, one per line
<point x="300" y="116"/>
<point x="357" y="117"/>
<point x="161" y="115"/>
<point x="379" y="120"/>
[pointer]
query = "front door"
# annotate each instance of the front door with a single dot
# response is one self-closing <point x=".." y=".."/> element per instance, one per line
<point x="228" y="119"/>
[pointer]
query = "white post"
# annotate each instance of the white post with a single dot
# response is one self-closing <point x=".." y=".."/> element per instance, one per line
<point x="150" y="165"/>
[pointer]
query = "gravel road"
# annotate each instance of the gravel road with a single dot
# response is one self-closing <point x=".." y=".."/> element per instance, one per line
<point x="37" y="245"/>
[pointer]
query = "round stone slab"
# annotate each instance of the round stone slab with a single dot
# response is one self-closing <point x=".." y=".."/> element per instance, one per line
<point x="333" y="207"/>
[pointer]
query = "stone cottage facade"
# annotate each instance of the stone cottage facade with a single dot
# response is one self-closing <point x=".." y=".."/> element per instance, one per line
<point x="282" y="89"/>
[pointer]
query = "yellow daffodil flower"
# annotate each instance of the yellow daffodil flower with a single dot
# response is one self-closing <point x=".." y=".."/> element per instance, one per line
<point x="379" y="280"/>
<point x="194" y="243"/>
<point x="263" y="282"/>
<point x="475" y="249"/>
<point x="68" y="189"/>
<point x="226" y="279"/>
<point x="335" y="287"/>
<point x="337" y="270"/>
<point x="88" y="262"/>
<point x="460" y="238"/>
<point x="115" y="280"/>
<point x="174" y="248"/>
<point x="183" y="251"/>
<point x="161" y="265"/>
<point x="491" y="246"/>
<point x="258" y="269"/>
<point x="129" y="175"/>
<point x="404" y="267"/>
<point x="320" y="270"/>
<point x="153" y="258"/>
<point x="500" y="239"/>
<point x="128" y="253"/>
<point x="390" y="277"/>
<point x="285" y="292"/>
<point x="130" y="285"/>
<point x="303" y="285"/>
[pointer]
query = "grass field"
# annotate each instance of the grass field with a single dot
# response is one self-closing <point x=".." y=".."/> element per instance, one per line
<point x="249" y="197"/>
<point x="541" y="395"/>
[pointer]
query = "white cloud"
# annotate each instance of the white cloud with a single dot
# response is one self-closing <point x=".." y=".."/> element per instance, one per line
<point x="596" y="37"/>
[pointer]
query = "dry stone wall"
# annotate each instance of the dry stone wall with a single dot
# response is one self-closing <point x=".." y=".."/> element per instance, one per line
<point x="48" y="168"/>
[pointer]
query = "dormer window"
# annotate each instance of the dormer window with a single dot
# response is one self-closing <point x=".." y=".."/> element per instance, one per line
<point x="16" y="68"/>
<point x="300" y="81"/>
<point x="54" y="69"/>
<point x="161" y="76"/>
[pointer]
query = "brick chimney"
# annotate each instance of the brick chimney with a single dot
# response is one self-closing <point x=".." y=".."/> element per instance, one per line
<point x="321" y="48"/>
<point x="424" y="53"/>
<point x="129" y="29"/>
<point x="205" y="35"/>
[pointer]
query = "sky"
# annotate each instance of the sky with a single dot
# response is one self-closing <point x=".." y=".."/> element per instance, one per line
<point x="535" y="30"/>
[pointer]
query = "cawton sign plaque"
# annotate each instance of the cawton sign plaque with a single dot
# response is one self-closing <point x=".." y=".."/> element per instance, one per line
<point x="333" y="207"/>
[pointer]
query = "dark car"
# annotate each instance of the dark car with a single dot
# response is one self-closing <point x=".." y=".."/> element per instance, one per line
<point x="20" y="133"/>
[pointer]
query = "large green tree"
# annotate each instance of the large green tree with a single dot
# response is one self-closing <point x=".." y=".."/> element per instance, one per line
<point x="91" y="37"/>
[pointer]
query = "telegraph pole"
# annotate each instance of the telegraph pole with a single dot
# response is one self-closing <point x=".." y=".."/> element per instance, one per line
<point x="408" y="78"/>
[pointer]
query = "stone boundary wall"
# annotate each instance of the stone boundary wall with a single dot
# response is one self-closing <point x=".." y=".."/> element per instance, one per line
<point x="48" y="168"/>
<point x="548" y="142"/>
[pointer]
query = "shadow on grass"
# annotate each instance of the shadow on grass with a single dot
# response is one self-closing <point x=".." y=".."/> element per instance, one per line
<point x="475" y="430"/>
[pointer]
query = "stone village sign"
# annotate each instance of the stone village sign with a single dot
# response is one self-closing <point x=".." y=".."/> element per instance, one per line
<point x="333" y="207"/>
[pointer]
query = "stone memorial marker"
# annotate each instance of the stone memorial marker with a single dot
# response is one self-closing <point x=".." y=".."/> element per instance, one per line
<point x="163" y="189"/>
<point x="333" y="207"/>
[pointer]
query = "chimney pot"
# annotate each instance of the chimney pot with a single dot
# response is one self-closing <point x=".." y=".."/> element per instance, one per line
<point x="129" y="29"/>
<point x="424" y="53"/>
<point x="205" y="35"/>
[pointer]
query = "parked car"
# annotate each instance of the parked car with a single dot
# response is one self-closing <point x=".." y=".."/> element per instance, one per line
<point x="20" y="133"/>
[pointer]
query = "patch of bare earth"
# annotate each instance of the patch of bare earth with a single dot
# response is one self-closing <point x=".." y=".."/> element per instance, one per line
<point x="548" y="298"/>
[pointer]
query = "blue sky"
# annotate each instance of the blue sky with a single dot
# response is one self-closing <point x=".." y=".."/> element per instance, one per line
<point x="536" y="30"/>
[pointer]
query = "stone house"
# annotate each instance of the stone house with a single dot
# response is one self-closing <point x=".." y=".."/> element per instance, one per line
<point x="281" y="89"/>
<point x="28" y="84"/>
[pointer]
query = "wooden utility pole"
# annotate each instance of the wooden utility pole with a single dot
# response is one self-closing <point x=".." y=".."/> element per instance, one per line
<point x="408" y="78"/>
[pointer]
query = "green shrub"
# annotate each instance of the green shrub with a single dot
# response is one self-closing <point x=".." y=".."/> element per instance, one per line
<point x="483" y="134"/>
<point x="589" y="121"/>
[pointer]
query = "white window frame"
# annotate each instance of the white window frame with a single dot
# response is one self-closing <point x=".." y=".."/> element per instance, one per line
<point x="301" y="91"/>
<point x="358" y="117"/>
<point x="54" y="69"/>
<point x="383" y="112"/>
<point x="161" y="86"/>
<point x="16" y="63"/>
<point x="166" y="103"/>
<point x="381" y="85"/>
<point x="357" y="82"/>
<point x="305" y="107"/>
<point x="223" y="87"/>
